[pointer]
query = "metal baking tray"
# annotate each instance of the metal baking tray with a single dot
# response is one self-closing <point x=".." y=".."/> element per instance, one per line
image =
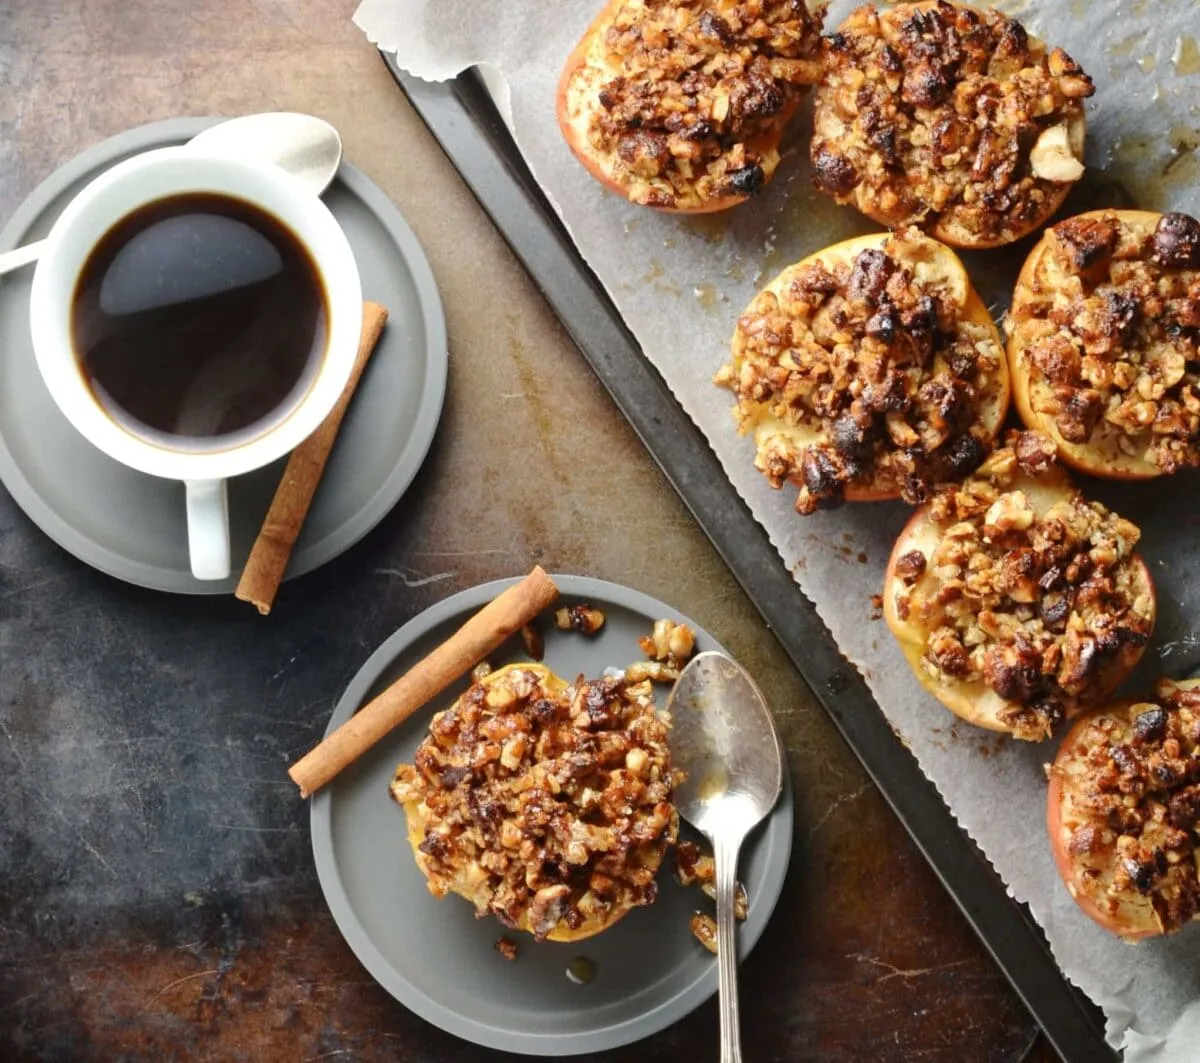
<point x="463" y="119"/>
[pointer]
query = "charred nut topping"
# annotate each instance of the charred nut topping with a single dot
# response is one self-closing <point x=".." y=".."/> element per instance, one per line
<point x="866" y="374"/>
<point x="1036" y="602"/>
<point x="1109" y="327"/>
<point x="1132" y="791"/>
<point x="685" y="89"/>
<point x="549" y="807"/>
<point x="948" y="117"/>
<point x="581" y="618"/>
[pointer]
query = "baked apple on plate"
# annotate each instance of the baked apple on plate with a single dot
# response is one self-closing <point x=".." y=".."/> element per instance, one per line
<point x="544" y="803"/>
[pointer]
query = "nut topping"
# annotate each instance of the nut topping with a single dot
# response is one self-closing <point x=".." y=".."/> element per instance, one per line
<point x="1129" y="785"/>
<point x="546" y="805"/>
<point x="680" y="101"/>
<point x="1026" y="588"/>
<point x="871" y="372"/>
<point x="1106" y="324"/>
<point x="948" y="117"/>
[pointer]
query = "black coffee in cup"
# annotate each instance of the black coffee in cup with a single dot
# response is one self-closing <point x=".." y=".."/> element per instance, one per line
<point x="199" y="317"/>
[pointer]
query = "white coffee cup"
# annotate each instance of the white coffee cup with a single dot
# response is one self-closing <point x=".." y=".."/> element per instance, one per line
<point x="203" y="465"/>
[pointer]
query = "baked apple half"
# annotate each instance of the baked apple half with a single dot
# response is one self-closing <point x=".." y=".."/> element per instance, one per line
<point x="948" y="117"/>
<point x="1016" y="601"/>
<point x="869" y="370"/>
<point x="681" y="104"/>
<point x="544" y="803"/>
<point x="1104" y="341"/>
<point x="1122" y="812"/>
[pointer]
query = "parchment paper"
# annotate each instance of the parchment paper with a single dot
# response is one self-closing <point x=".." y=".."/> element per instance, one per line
<point x="680" y="284"/>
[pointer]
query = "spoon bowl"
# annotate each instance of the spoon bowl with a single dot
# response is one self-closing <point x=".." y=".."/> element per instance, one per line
<point x="723" y="736"/>
<point x="308" y="148"/>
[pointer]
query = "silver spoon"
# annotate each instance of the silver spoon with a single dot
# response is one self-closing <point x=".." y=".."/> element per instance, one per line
<point x="723" y="736"/>
<point x="306" y="147"/>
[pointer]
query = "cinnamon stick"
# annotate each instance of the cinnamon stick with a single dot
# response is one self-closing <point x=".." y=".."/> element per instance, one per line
<point x="260" y="579"/>
<point x="487" y="629"/>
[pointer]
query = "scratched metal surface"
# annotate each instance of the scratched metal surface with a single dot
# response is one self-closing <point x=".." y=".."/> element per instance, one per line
<point x="157" y="895"/>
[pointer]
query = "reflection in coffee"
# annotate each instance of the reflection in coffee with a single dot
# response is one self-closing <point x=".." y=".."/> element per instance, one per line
<point x="199" y="316"/>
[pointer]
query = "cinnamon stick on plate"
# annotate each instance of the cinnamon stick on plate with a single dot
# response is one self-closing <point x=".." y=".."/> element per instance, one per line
<point x="487" y="629"/>
<point x="272" y="549"/>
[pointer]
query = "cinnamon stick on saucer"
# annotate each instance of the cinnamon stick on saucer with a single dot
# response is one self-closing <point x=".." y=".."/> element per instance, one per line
<point x="272" y="549"/>
<point x="487" y="629"/>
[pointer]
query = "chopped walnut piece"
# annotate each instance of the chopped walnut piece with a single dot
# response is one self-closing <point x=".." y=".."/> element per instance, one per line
<point x="1052" y="158"/>
<point x="1105" y="326"/>
<point x="911" y="567"/>
<point x="669" y="642"/>
<point x="482" y="669"/>
<point x="506" y="947"/>
<point x="1030" y="589"/>
<point x="693" y="868"/>
<point x="876" y="373"/>
<point x="545" y="804"/>
<point x="655" y="671"/>
<point x="704" y="930"/>
<point x="679" y="103"/>
<point x="581" y="618"/>
<point x="741" y="900"/>
<point x="1128" y="811"/>
<point x="1010" y="512"/>
<point x="948" y="117"/>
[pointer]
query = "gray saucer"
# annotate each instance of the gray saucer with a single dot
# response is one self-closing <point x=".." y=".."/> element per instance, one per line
<point x="132" y="526"/>
<point x="434" y="956"/>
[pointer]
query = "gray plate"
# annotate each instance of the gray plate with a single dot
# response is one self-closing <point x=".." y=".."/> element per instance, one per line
<point x="434" y="956"/>
<point x="131" y="525"/>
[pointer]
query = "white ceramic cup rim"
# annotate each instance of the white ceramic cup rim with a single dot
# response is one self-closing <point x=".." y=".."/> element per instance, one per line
<point x="144" y="179"/>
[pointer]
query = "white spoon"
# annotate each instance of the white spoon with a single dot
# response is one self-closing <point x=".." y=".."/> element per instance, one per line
<point x="306" y="147"/>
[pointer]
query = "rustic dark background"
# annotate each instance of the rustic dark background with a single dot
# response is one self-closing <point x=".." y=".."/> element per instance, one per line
<point x="157" y="895"/>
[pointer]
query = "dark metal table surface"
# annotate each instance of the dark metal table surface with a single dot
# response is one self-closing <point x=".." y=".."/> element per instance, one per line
<point x="157" y="894"/>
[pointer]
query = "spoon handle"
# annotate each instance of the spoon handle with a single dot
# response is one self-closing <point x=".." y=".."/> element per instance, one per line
<point x="725" y="854"/>
<point x="19" y="256"/>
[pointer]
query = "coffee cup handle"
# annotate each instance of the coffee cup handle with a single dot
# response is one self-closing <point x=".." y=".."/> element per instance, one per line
<point x="208" y="528"/>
